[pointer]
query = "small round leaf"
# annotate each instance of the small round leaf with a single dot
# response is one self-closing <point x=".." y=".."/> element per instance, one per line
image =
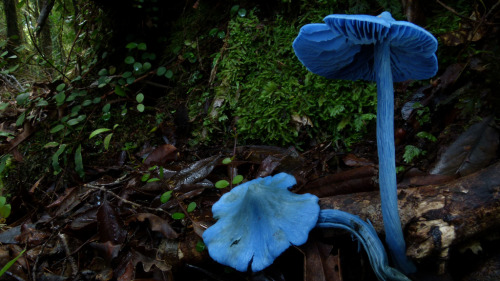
<point x="222" y="184"/>
<point x="161" y="70"/>
<point x="178" y="216"/>
<point x="139" y="98"/>
<point x="191" y="207"/>
<point x="238" y="179"/>
<point x="129" y="60"/>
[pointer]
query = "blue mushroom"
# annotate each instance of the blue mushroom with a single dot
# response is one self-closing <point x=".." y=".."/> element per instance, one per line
<point x="367" y="236"/>
<point x="258" y="220"/>
<point x="381" y="49"/>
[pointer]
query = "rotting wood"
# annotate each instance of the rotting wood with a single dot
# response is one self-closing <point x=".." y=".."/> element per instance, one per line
<point x="433" y="217"/>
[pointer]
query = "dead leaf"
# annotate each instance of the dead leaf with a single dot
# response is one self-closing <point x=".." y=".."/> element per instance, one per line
<point x="320" y="265"/>
<point x="156" y="223"/>
<point x="31" y="236"/>
<point x="466" y="33"/>
<point x="110" y="225"/>
<point x="195" y="172"/>
<point x="108" y="249"/>
<point x="472" y="150"/>
<point x="161" y="155"/>
<point x="71" y="198"/>
<point x="268" y="165"/>
<point x="84" y="217"/>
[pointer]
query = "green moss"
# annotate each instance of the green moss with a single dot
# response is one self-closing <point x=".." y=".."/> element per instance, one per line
<point x="268" y="96"/>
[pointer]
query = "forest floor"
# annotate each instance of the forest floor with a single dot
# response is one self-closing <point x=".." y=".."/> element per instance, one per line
<point x="139" y="212"/>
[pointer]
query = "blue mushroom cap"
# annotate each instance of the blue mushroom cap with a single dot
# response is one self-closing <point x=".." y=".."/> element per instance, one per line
<point x="258" y="220"/>
<point x="343" y="47"/>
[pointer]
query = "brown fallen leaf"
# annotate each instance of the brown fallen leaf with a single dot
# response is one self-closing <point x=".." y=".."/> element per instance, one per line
<point x="31" y="236"/>
<point x="161" y="155"/>
<point x="156" y="223"/>
<point x="320" y="265"/>
<point x="110" y="225"/>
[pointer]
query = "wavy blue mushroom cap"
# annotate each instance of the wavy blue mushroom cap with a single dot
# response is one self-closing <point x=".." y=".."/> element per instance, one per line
<point x="343" y="47"/>
<point x="258" y="220"/>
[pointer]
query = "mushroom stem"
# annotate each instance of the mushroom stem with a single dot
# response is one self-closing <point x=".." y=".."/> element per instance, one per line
<point x="386" y="155"/>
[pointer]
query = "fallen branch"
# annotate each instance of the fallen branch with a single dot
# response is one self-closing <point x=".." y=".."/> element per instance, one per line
<point x="435" y="217"/>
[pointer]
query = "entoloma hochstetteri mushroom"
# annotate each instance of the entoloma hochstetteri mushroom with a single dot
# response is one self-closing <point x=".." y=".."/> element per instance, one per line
<point x="381" y="49"/>
<point x="261" y="218"/>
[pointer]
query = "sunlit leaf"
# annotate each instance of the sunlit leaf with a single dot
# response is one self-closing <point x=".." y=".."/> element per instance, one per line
<point x="226" y="160"/>
<point x="107" y="140"/>
<point x="98" y="131"/>
<point x="153" y="179"/>
<point x="140" y="107"/>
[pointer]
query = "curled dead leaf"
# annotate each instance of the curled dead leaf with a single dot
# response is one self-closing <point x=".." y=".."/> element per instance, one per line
<point x="156" y="223"/>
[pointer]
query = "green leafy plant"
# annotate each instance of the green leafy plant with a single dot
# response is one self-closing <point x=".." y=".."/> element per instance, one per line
<point x="423" y="113"/>
<point x="237" y="179"/>
<point x="412" y="152"/>
<point x="107" y="138"/>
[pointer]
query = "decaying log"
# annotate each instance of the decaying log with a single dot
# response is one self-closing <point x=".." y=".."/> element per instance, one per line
<point x="435" y="217"/>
